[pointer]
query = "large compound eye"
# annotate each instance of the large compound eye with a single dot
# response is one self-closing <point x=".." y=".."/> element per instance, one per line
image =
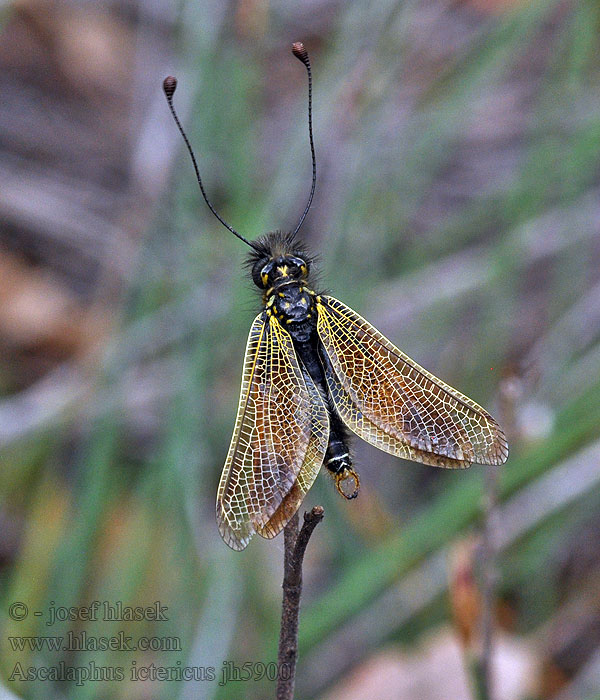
<point x="301" y="265"/>
<point x="261" y="271"/>
<point x="264" y="275"/>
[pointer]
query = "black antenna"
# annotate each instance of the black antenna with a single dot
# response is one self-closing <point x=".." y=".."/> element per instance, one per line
<point x="169" y="86"/>
<point x="302" y="55"/>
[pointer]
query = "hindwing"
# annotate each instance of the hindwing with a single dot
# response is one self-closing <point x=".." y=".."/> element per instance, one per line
<point x="313" y="460"/>
<point x="278" y="442"/>
<point x="391" y="402"/>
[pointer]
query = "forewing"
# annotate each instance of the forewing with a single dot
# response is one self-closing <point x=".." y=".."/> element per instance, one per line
<point x="271" y="437"/>
<point x="313" y="460"/>
<point x="391" y="402"/>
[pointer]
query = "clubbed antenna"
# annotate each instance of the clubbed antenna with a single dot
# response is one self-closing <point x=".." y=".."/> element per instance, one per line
<point x="301" y="54"/>
<point x="169" y="87"/>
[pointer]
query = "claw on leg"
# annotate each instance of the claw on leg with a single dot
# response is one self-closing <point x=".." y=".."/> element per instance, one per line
<point x="343" y="483"/>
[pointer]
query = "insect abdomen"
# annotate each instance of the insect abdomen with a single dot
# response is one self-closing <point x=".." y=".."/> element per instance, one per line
<point x="337" y="457"/>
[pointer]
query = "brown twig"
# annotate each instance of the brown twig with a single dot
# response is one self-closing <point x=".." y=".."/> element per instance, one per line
<point x="294" y="547"/>
<point x="509" y="391"/>
<point x="489" y="579"/>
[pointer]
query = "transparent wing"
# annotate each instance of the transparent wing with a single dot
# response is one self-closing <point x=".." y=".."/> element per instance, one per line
<point x="277" y="435"/>
<point x="394" y="404"/>
<point x="313" y="460"/>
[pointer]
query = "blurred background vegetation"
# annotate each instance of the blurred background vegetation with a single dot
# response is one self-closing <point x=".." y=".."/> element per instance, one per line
<point x="457" y="208"/>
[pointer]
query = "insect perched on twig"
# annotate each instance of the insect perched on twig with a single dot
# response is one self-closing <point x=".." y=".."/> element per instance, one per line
<point x="315" y="370"/>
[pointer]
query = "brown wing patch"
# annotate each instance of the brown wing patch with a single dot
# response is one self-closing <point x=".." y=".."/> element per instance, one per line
<point x="313" y="460"/>
<point x="394" y="404"/>
<point x="272" y="435"/>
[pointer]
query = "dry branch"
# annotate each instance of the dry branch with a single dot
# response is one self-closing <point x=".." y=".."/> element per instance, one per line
<point x="294" y="547"/>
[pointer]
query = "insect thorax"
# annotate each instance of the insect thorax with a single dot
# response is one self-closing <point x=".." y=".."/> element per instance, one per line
<point x="292" y="304"/>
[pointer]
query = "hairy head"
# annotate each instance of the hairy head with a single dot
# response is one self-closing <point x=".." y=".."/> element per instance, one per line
<point x="277" y="256"/>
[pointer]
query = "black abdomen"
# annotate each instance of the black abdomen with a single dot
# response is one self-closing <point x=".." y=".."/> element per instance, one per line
<point x="337" y="458"/>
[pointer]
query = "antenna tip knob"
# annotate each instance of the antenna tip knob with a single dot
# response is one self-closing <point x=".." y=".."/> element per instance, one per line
<point x="300" y="52"/>
<point x="169" y="86"/>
